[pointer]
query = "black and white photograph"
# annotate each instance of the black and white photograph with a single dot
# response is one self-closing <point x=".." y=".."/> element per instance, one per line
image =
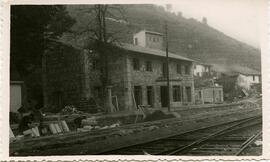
<point x="177" y="78"/>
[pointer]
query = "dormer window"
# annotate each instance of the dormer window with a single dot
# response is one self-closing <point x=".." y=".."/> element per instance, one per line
<point x="149" y="39"/>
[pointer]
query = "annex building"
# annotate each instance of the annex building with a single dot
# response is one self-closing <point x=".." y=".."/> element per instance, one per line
<point x="137" y="74"/>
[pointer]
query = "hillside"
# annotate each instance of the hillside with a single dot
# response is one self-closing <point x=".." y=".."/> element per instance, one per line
<point x="187" y="37"/>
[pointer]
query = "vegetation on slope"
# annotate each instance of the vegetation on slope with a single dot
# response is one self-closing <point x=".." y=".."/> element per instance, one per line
<point x="187" y="37"/>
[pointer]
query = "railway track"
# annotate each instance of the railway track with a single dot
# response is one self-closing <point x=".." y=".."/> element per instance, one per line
<point x="90" y="142"/>
<point x="224" y="139"/>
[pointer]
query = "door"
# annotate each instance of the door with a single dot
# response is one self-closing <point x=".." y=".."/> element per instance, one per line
<point x="150" y="96"/>
<point x="219" y="99"/>
<point x="164" y="96"/>
<point x="188" y="93"/>
<point x="138" y="95"/>
<point x="214" y="97"/>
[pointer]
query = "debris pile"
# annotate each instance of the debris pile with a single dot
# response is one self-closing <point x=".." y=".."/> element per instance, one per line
<point x="258" y="143"/>
<point x="91" y="123"/>
<point x="70" y="109"/>
<point x="34" y="130"/>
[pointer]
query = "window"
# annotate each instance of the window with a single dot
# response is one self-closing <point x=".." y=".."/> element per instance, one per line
<point x="176" y="93"/>
<point x="253" y="77"/>
<point x="154" y="39"/>
<point x="95" y="64"/>
<point x="164" y="69"/>
<point x="157" y="39"/>
<point x="136" y="64"/>
<point x="98" y="92"/>
<point x="178" y="69"/>
<point x="187" y="70"/>
<point x="136" y="41"/>
<point x="148" y="65"/>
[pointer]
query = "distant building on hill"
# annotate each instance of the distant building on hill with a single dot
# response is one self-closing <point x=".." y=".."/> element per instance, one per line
<point x="204" y="20"/>
<point x="239" y="81"/>
<point x="202" y="69"/>
<point x="245" y="77"/>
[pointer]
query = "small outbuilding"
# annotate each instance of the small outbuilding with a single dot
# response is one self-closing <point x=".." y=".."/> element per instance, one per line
<point x="16" y="95"/>
<point x="209" y="95"/>
<point x="17" y="89"/>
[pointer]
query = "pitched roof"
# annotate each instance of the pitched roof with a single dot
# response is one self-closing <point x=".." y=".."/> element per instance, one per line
<point x="247" y="71"/>
<point x="198" y="62"/>
<point x="150" y="51"/>
<point x="152" y="32"/>
<point x="235" y="70"/>
<point x="134" y="48"/>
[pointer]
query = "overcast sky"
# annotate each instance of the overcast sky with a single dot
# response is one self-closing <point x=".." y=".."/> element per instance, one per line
<point x="239" y="19"/>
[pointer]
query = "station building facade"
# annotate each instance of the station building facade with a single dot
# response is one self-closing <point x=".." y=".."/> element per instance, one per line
<point x="137" y="73"/>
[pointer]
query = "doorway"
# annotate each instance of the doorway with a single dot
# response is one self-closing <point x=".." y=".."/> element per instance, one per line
<point x="188" y="92"/>
<point x="138" y="95"/>
<point x="150" y="96"/>
<point x="164" y="96"/>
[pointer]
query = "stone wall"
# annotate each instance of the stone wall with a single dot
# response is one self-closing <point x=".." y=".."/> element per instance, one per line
<point x="116" y="75"/>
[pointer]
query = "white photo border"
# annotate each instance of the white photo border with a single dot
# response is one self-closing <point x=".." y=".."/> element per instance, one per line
<point x="4" y="89"/>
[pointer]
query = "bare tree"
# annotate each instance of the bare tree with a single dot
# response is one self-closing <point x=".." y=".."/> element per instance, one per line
<point x="103" y="38"/>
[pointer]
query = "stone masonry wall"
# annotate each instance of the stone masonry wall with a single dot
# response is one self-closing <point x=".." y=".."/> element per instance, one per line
<point x="73" y="77"/>
<point x="154" y="78"/>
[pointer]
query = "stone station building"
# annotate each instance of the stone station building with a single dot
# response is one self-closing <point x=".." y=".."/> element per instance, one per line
<point x="137" y="73"/>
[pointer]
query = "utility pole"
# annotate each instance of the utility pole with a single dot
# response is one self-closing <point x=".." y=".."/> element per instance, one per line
<point x="168" y="8"/>
<point x="167" y="65"/>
